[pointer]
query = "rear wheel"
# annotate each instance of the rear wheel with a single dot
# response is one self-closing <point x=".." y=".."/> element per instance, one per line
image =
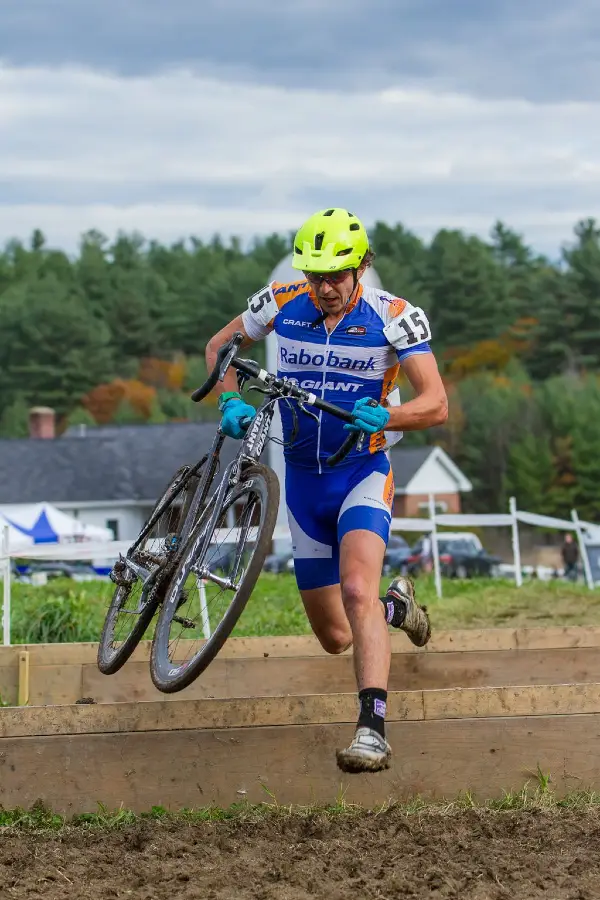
<point x="140" y="575"/>
<point x="209" y="590"/>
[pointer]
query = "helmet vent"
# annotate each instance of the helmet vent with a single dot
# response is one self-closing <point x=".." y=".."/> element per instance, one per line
<point x="329" y="212"/>
<point x="297" y="250"/>
<point x="355" y="227"/>
<point x="344" y="252"/>
<point x="319" y="240"/>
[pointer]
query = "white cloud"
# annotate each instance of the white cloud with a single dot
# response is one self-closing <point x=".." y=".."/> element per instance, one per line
<point x="175" y="153"/>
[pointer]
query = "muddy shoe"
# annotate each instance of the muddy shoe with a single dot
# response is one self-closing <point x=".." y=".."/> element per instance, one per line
<point x="368" y="752"/>
<point x="403" y="611"/>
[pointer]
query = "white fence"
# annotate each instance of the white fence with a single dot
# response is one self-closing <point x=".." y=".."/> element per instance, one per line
<point x="92" y="550"/>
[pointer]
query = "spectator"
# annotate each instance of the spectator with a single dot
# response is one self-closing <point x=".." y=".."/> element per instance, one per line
<point x="570" y="555"/>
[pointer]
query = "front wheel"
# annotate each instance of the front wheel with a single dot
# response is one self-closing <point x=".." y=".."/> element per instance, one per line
<point x="210" y="587"/>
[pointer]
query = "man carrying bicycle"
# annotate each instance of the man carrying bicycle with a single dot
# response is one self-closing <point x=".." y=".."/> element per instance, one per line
<point x="345" y="342"/>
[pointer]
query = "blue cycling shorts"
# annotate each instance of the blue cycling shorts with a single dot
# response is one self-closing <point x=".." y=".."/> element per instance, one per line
<point x="323" y="508"/>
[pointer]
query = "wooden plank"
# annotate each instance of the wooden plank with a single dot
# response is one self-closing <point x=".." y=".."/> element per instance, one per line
<point x="282" y="676"/>
<point x="276" y="676"/>
<point x="252" y="677"/>
<point x="9" y="685"/>
<point x="483" y="668"/>
<point x="186" y="714"/>
<point x="307" y="645"/>
<point x="296" y="765"/>
<point x="530" y="700"/>
<point x="56" y="685"/>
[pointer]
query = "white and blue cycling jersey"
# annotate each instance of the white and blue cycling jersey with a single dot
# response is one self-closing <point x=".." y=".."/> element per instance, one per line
<point x="360" y="357"/>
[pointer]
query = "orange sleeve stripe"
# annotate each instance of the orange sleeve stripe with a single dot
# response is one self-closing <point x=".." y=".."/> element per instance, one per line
<point x="397" y="307"/>
<point x="283" y="293"/>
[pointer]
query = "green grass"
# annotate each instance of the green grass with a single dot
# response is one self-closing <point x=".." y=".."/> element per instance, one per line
<point x="63" y="611"/>
<point x="531" y="798"/>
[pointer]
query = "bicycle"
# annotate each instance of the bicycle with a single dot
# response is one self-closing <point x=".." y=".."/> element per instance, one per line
<point x="229" y="531"/>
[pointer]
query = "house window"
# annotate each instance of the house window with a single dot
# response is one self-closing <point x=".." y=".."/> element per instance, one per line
<point x="113" y="524"/>
<point x="440" y="507"/>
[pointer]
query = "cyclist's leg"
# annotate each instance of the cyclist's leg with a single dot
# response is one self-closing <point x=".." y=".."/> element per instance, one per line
<point x="363" y="530"/>
<point x="313" y="502"/>
<point x="327" y="617"/>
<point x="361" y="561"/>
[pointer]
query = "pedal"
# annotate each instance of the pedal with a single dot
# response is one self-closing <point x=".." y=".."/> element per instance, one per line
<point x="185" y="623"/>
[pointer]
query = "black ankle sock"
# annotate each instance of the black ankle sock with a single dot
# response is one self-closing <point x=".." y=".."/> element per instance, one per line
<point x="372" y="709"/>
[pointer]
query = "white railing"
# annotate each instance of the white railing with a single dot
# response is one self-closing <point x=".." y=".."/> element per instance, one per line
<point x="95" y="550"/>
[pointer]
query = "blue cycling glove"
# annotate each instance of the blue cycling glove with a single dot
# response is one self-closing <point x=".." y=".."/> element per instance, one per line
<point x="237" y="416"/>
<point x="368" y="418"/>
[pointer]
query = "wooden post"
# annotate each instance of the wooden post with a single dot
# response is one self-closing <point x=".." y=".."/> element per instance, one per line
<point x="23" y="698"/>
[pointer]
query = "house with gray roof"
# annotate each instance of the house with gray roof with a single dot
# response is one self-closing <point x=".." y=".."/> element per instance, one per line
<point x="112" y="475"/>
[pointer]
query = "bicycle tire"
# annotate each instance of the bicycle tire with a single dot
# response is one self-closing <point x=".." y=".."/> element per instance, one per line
<point x="110" y="659"/>
<point x="167" y="676"/>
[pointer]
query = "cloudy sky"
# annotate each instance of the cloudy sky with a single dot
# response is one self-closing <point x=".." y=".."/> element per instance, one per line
<point x="244" y="116"/>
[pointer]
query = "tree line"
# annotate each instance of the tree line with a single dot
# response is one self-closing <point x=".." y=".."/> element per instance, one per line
<point x="117" y="333"/>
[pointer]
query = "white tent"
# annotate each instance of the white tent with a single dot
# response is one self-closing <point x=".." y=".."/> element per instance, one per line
<point x="42" y="523"/>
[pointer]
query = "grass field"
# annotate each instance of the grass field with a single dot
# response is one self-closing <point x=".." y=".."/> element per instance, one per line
<point x="65" y="611"/>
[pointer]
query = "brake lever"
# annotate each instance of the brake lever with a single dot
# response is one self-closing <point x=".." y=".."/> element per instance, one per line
<point x="236" y="343"/>
<point x="308" y="412"/>
<point x="354" y="439"/>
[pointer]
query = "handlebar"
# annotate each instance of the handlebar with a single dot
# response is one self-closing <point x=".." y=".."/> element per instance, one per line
<point x="226" y="357"/>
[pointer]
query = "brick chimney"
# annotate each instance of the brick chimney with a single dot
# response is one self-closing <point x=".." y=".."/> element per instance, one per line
<point x="41" y="422"/>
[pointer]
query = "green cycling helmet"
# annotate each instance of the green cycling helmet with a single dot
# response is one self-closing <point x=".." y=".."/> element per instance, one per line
<point x="331" y="240"/>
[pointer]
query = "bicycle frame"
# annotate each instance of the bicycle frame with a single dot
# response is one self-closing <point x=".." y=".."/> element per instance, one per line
<point x="252" y="446"/>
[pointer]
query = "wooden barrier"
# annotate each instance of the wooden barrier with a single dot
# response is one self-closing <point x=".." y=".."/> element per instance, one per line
<point x="251" y="667"/>
<point x="195" y="753"/>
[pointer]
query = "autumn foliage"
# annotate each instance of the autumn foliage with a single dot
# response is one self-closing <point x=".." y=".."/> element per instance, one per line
<point x="104" y="401"/>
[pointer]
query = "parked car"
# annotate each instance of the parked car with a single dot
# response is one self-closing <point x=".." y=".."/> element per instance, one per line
<point x="221" y="556"/>
<point x="280" y="560"/>
<point x="461" y="556"/>
<point x="395" y="561"/>
<point x="277" y="562"/>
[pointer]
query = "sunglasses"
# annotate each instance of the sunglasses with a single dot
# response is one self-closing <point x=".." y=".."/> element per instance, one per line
<point x="329" y="277"/>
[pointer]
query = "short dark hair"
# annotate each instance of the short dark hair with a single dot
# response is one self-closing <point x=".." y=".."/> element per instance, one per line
<point x="368" y="258"/>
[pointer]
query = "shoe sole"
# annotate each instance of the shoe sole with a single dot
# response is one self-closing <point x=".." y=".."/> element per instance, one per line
<point x="354" y="763"/>
<point x="420" y="643"/>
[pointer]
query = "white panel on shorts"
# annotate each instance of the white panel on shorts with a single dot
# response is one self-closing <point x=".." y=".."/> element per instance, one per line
<point x="368" y="492"/>
<point x="305" y="547"/>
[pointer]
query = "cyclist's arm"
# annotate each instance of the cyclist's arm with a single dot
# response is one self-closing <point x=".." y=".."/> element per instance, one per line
<point x="408" y="331"/>
<point x="430" y="405"/>
<point x="229" y="383"/>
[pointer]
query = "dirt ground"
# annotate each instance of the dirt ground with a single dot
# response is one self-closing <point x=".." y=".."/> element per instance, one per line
<point x="470" y="854"/>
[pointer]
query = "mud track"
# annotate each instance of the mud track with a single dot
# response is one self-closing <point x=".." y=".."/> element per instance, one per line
<point x="469" y="854"/>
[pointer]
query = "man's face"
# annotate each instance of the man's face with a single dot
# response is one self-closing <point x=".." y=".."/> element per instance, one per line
<point x="332" y="290"/>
